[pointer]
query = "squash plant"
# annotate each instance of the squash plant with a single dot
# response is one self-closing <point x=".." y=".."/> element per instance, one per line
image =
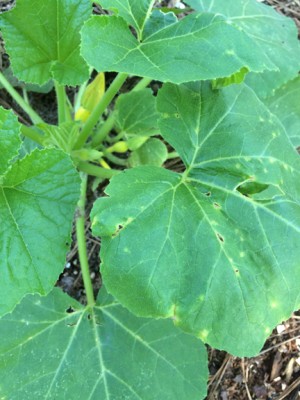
<point x="210" y="255"/>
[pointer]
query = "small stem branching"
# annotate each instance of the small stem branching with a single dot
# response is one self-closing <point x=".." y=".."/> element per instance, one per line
<point x="99" y="109"/>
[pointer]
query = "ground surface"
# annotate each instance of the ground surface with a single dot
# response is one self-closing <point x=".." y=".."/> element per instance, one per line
<point x="275" y="372"/>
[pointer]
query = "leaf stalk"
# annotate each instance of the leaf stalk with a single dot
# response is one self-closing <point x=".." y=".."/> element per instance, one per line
<point x="99" y="172"/>
<point x="35" y="118"/>
<point x="32" y="134"/>
<point x="81" y="240"/>
<point x="61" y="103"/>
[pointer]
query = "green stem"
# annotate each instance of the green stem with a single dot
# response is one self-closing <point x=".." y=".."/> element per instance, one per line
<point x="68" y="109"/>
<point x="99" y="109"/>
<point x="109" y="123"/>
<point x="35" y="118"/>
<point x="79" y="95"/>
<point x="113" y="139"/>
<point x="104" y="129"/>
<point x="32" y="134"/>
<point x="142" y="84"/>
<point x="173" y="154"/>
<point x="81" y="240"/>
<point x="25" y="96"/>
<point x="116" y="160"/>
<point x="94" y="170"/>
<point x="61" y="102"/>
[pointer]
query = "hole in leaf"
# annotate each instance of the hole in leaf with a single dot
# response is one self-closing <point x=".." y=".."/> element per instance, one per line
<point x="220" y="237"/>
<point x="119" y="228"/>
<point x="236" y="271"/>
<point x="70" y="310"/>
<point x="217" y="205"/>
<point x="208" y="194"/>
<point x="248" y="188"/>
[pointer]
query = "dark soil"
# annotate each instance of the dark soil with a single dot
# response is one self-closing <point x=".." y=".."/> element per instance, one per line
<point x="275" y="372"/>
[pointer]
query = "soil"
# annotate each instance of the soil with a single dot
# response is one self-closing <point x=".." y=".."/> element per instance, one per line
<point x="275" y="373"/>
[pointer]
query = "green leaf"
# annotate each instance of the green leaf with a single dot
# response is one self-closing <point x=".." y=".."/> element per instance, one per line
<point x="275" y="34"/>
<point x="192" y="44"/>
<point x="157" y="21"/>
<point x="27" y="147"/>
<point x="134" y="142"/>
<point x="10" y="141"/>
<point x="60" y="350"/>
<point x="136" y="113"/>
<point x="174" y="10"/>
<point x="38" y="195"/>
<point x="238" y="77"/>
<point x="134" y="12"/>
<point x="63" y="136"/>
<point x="224" y="265"/>
<point x="153" y="152"/>
<point x="43" y="40"/>
<point x="8" y="73"/>
<point x="286" y="106"/>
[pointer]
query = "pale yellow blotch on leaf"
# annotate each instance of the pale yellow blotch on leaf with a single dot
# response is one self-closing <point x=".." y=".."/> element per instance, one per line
<point x="173" y="315"/>
<point x="274" y="304"/>
<point x="203" y="334"/>
<point x="285" y="166"/>
<point x="201" y="298"/>
<point x="230" y="52"/>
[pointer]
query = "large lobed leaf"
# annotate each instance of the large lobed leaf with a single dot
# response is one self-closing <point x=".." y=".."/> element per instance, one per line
<point x="60" y="350"/>
<point x="43" y="40"/>
<point x="216" y="247"/>
<point x="275" y="34"/>
<point x="38" y="196"/>
<point x="192" y="44"/>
